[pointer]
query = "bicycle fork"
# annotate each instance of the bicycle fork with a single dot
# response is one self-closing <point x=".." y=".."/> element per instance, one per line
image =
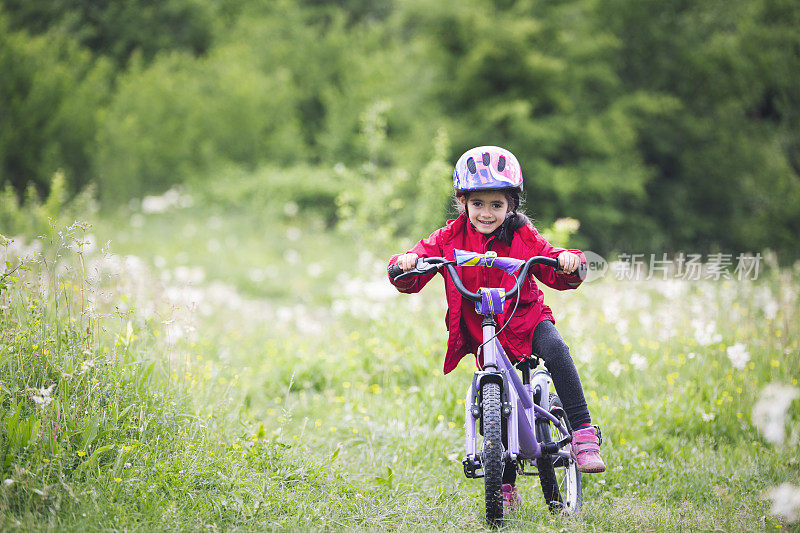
<point x="529" y="417"/>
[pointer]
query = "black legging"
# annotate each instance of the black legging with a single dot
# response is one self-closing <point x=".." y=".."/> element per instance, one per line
<point x="548" y="344"/>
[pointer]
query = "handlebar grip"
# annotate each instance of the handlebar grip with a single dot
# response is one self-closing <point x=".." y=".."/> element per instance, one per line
<point x="394" y="271"/>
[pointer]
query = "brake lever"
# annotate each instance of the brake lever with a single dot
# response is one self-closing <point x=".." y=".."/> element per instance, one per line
<point x="422" y="267"/>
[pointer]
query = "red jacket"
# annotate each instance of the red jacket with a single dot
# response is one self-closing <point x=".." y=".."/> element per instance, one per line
<point x="463" y="323"/>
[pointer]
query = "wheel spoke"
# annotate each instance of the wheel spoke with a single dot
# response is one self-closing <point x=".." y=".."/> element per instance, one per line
<point x="560" y="477"/>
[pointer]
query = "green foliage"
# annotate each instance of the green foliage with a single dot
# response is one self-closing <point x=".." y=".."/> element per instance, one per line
<point x="274" y="192"/>
<point x="50" y="90"/>
<point x="382" y="203"/>
<point x="670" y="126"/>
<point x="725" y="148"/>
<point x="182" y="116"/>
<point x="118" y="29"/>
<point x="37" y="216"/>
<point x="96" y="425"/>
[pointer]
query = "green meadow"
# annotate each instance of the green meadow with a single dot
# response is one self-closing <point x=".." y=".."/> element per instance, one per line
<point x="185" y="367"/>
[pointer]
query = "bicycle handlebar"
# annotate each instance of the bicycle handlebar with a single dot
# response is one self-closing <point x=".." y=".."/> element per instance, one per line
<point x="427" y="265"/>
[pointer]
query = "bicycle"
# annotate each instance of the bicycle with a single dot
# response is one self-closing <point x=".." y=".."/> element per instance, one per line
<point x="523" y="424"/>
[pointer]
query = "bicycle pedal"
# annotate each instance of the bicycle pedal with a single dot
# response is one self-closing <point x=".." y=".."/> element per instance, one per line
<point x="471" y="467"/>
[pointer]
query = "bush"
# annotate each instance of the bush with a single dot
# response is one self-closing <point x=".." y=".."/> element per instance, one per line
<point x="37" y="216"/>
<point x="273" y="191"/>
<point x="50" y="91"/>
<point x="181" y="116"/>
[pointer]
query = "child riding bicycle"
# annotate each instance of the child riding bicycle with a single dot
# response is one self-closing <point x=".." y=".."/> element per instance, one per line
<point x="488" y="183"/>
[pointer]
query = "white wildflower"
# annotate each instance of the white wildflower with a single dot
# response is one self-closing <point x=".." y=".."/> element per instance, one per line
<point x="256" y="275"/>
<point x="168" y="200"/>
<point x="8" y="482"/>
<point x="769" y="413"/>
<point x="615" y="367"/>
<point x="85" y="245"/>
<point x="707" y="417"/>
<point x="214" y="222"/>
<point x="293" y="233"/>
<point x="47" y="391"/>
<point x="638" y="361"/>
<point x="42" y="396"/>
<point x="706" y="333"/>
<point x="566" y="225"/>
<point x="137" y="220"/>
<point x="193" y="275"/>
<point x="290" y="209"/>
<point x="314" y="270"/>
<point x="770" y="309"/>
<point x="291" y="256"/>
<point x="738" y="355"/>
<point x="785" y="501"/>
<point x="585" y="352"/>
<point x="766" y="300"/>
<point x="646" y="320"/>
<point x="672" y="289"/>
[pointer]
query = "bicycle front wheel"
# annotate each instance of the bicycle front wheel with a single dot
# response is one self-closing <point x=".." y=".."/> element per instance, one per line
<point x="559" y="476"/>
<point x="492" y="452"/>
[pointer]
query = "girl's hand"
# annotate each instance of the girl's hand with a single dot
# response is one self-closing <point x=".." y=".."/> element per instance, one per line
<point x="407" y="261"/>
<point x="569" y="262"/>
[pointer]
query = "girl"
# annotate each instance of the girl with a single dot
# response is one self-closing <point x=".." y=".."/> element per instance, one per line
<point x="488" y="183"/>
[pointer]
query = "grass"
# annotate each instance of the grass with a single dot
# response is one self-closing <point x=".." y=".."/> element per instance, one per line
<point x="202" y="374"/>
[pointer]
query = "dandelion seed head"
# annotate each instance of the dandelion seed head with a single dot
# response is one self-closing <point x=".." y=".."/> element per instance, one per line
<point x="293" y="233"/>
<point x="291" y="256"/>
<point x="315" y="270"/>
<point x="785" y="501"/>
<point x="705" y="333"/>
<point x="638" y="361"/>
<point x="738" y="355"/>
<point x="290" y="209"/>
<point x="769" y="413"/>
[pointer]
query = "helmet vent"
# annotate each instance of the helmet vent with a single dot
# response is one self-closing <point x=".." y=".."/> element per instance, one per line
<point x="486" y="159"/>
<point x="471" y="165"/>
<point x="501" y="163"/>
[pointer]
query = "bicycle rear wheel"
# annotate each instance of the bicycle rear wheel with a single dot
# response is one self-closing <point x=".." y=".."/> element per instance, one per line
<point x="559" y="476"/>
<point x="492" y="452"/>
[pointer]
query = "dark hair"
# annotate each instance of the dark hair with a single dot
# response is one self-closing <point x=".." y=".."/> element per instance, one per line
<point x="515" y="218"/>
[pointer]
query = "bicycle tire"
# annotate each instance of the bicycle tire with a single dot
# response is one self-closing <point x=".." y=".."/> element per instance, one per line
<point x="560" y="479"/>
<point x="493" y="451"/>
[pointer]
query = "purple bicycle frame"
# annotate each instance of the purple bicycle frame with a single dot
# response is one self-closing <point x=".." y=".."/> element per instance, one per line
<point x="522" y="442"/>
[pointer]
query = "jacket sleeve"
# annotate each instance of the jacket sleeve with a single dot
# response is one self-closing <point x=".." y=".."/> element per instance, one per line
<point x="548" y="275"/>
<point x="429" y="247"/>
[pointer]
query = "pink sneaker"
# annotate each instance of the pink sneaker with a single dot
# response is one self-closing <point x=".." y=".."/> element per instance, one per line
<point x="586" y="451"/>
<point x="511" y="498"/>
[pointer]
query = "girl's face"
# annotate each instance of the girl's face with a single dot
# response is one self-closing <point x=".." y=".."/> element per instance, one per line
<point x="486" y="210"/>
